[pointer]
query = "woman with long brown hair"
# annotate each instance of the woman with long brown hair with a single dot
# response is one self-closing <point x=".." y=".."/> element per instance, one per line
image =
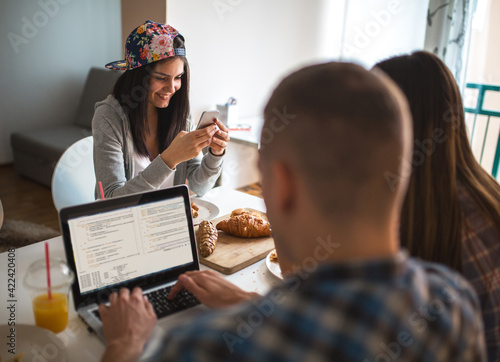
<point x="141" y="131"/>
<point x="451" y="213"/>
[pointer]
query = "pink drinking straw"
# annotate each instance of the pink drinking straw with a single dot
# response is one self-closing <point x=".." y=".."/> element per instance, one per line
<point x="100" y="189"/>
<point x="47" y="264"/>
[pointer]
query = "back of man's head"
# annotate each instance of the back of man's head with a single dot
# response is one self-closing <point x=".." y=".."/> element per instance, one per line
<point x="346" y="131"/>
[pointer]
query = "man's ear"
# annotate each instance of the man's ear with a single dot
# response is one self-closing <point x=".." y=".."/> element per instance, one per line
<point x="285" y="187"/>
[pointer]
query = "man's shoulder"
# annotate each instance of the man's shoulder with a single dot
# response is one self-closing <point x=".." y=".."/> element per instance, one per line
<point x="421" y="305"/>
<point x="442" y="279"/>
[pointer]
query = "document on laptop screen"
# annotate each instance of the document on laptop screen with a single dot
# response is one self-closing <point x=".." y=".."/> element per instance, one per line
<point x="116" y="246"/>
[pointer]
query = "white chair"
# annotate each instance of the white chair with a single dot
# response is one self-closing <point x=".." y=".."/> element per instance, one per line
<point x="73" y="181"/>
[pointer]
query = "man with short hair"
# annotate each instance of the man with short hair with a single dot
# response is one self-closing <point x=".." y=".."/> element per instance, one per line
<point x="332" y="133"/>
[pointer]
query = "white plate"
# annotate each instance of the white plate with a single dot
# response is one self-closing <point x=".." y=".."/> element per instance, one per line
<point x="207" y="211"/>
<point x="273" y="266"/>
<point x="34" y="342"/>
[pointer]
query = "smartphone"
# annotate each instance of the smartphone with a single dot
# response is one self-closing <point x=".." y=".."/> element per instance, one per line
<point x="207" y="118"/>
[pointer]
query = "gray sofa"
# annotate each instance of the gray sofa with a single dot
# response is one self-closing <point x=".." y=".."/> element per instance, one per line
<point x="37" y="152"/>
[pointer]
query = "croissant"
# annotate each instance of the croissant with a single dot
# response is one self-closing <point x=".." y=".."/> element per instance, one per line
<point x="245" y="224"/>
<point x="243" y="211"/>
<point x="207" y="238"/>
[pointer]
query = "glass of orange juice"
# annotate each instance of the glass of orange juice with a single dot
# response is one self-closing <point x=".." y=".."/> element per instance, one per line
<point x="51" y="311"/>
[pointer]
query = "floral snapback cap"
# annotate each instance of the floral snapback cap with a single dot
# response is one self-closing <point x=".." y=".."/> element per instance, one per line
<point x="146" y="44"/>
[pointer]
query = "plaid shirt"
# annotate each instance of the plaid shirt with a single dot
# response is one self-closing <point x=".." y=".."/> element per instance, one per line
<point x="381" y="310"/>
<point x="481" y="267"/>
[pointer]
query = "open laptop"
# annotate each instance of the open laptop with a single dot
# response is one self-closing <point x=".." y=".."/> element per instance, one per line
<point x="144" y="240"/>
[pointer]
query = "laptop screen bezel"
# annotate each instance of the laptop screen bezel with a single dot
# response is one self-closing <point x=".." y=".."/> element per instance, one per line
<point x="148" y="281"/>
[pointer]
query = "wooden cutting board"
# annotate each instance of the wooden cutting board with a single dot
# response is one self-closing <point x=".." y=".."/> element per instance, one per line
<point x="233" y="253"/>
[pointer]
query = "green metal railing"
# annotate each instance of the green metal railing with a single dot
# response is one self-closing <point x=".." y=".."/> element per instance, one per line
<point x="483" y="88"/>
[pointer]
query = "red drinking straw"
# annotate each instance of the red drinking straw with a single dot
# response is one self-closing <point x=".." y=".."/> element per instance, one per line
<point x="102" y="191"/>
<point x="47" y="264"/>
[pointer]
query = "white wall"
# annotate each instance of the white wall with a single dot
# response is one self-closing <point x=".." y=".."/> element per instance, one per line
<point x="55" y="44"/>
<point x="242" y="48"/>
<point x="237" y="48"/>
<point x="379" y="29"/>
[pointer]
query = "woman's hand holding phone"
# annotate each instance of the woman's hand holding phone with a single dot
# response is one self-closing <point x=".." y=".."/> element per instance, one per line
<point x="207" y="118"/>
<point x="220" y="139"/>
<point x="187" y="145"/>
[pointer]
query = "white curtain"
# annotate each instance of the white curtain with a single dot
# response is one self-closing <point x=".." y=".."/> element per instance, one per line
<point x="448" y="33"/>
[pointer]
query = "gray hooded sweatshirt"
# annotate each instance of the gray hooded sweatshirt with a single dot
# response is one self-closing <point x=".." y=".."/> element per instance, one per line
<point x="114" y="158"/>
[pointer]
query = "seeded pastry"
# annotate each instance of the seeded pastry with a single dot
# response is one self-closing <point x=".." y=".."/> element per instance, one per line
<point x="207" y="238"/>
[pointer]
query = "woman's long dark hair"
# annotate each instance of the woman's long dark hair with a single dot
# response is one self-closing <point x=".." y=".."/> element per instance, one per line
<point x="131" y="90"/>
<point x="432" y="220"/>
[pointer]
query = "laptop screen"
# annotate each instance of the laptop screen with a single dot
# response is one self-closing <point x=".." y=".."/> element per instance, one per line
<point x="116" y="246"/>
<point x="129" y="241"/>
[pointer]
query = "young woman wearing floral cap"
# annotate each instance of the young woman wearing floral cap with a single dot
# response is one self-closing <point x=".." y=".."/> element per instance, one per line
<point x="141" y="138"/>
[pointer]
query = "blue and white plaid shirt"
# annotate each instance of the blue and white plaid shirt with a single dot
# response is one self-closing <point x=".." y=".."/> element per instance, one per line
<point x="395" y="309"/>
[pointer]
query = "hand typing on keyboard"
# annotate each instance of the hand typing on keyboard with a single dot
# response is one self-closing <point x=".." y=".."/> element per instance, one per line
<point x="211" y="289"/>
<point x="130" y="317"/>
<point x="164" y="306"/>
<point x="127" y="324"/>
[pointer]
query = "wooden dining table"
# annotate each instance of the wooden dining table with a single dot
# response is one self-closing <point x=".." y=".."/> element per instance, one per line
<point x="76" y="343"/>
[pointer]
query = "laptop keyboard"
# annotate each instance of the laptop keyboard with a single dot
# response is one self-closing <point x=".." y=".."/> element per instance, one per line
<point x="163" y="306"/>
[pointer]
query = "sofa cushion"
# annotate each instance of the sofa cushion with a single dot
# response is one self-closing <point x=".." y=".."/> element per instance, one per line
<point x="33" y="168"/>
<point x="99" y="84"/>
<point x="37" y="152"/>
<point x="48" y="143"/>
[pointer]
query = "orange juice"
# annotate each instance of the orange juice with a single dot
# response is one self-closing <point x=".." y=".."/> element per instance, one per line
<point x="51" y="313"/>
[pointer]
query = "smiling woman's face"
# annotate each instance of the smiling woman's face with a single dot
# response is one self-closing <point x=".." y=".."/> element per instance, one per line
<point x="165" y="81"/>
